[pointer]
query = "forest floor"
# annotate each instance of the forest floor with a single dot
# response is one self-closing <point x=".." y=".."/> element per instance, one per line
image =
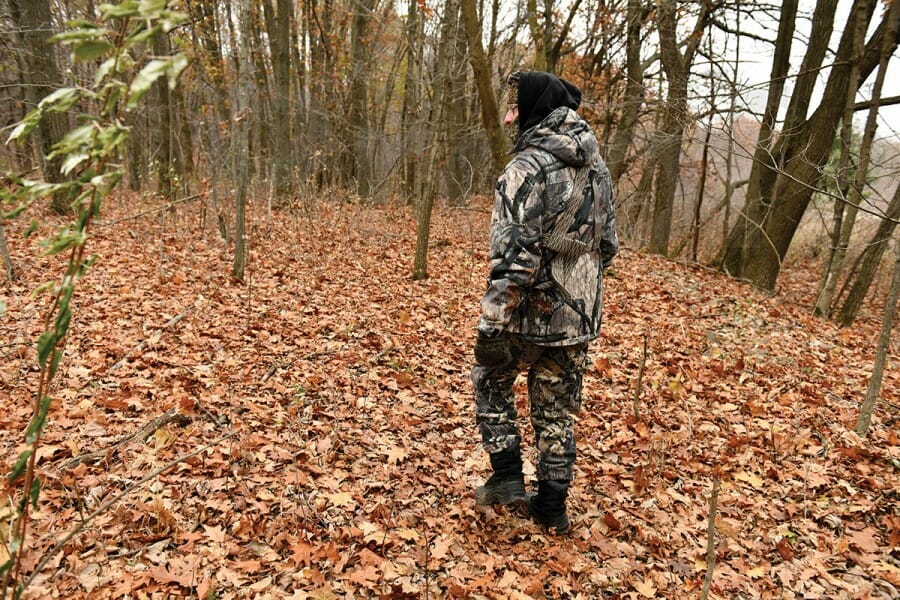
<point x="314" y="425"/>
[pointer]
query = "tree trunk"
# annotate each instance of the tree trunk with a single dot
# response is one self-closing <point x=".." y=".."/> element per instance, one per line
<point x="870" y="261"/>
<point x="242" y="150"/>
<point x="460" y="170"/>
<point x="490" y="114"/>
<point x="634" y="94"/>
<point x="4" y="252"/>
<point x="802" y="155"/>
<point x="33" y="18"/>
<point x="884" y="342"/>
<point x="669" y="138"/>
<point x="280" y="47"/>
<point x="846" y="218"/>
<point x="410" y="147"/>
<point x="164" y="171"/>
<point x="358" y="121"/>
<point x="763" y="164"/>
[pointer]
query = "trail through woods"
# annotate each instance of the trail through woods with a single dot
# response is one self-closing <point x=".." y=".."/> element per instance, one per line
<point x="354" y="454"/>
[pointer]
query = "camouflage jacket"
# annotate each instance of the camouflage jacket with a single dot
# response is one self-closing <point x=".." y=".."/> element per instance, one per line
<point x="550" y="297"/>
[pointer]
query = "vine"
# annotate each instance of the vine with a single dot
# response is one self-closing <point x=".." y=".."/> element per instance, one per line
<point x="89" y="157"/>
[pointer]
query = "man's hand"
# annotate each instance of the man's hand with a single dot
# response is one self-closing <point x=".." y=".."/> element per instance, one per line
<point x="492" y="350"/>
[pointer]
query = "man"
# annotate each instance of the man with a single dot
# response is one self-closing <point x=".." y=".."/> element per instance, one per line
<point x="552" y="235"/>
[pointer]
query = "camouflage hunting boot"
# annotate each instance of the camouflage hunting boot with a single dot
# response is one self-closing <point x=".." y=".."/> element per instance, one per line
<point x="507" y="484"/>
<point x="548" y="507"/>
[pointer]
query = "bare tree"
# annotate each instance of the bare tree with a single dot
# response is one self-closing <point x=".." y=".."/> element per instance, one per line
<point x="490" y="112"/>
<point x="884" y="342"/>
<point x="668" y="138"/>
<point x="242" y="134"/>
<point x="799" y="153"/>
<point x="845" y="217"/>
<point x="40" y="77"/>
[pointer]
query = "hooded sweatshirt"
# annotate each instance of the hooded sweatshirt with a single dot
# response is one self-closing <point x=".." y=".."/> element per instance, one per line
<point x="526" y="294"/>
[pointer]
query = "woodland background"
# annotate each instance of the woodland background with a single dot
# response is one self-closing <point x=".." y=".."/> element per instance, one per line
<point x="264" y="388"/>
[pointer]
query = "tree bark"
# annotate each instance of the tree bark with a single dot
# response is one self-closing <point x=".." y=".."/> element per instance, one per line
<point x="802" y="157"/>
<point x="634" y="93"/>
<point x="164" y="168"/>
<point x="669" y="138"/>
<point x="884" y="342"/>
<point x="242" y="151"/>
<point x="358" y="120"/>
<point x="845" y="217"/>
<point x="460" y="170"/>
<point x="490" y="113"/>
<point x="410" y="147"/>
<point x="764" y="166"/>
<point x="280" y="47"/>
<point x="41" y="77"/>
<point x="870" y="261"/>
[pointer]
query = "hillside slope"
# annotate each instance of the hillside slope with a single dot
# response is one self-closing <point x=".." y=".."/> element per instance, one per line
<point x="326" y="412"/>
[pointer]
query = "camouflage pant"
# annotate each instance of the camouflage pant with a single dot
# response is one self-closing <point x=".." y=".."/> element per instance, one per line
<point x="554" y="391"/>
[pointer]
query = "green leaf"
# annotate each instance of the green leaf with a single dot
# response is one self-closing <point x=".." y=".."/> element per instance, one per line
<point x="60" y="100"/>
<point x="45" y="346"/>
<point x="54" y="363"/>
<point x="177" y="64"/>
<point x="25" y="126"/>
<point x="37" y="424"/>
<point x="20" y="465"/>
<point x="5" y="567"/>
<point x="142" y="35"/>
<point x="79" y="30"/>
<point x="152" y="71"/>
<point x="15" y="212"/>
<point x="151" y="8"/>
<point x="129" y="8"/>
<point x="35" y="491"/>
<point x="32" y="227"/>
<point x="87" y="51"/>
<point x="72" y="161"/>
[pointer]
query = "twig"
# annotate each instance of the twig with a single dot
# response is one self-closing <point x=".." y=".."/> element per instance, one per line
<point x="711" y="538"/>
<point x="166" y="206"/>
<point x="639" y="384"/>
<point x="106" y="505"/>
<point x="145" y="432"/>
<point x="140" y="346"/>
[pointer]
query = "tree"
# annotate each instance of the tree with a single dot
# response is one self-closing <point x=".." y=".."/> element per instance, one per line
<point x="490" y="112"/>
<point x="39" y="79"/>
<point x="633" y="98"/>
<point x="844" y="218"/>
<point x="884" y="342"/>
<point x="242" y="135"/>
<point x="358" y="120"/>
<point x="756" y="248"/>
<point x="870" y="260"/>
<point x="668" y="138"/>
<point x="548" y="51"/>
<point x="280" y="46"/>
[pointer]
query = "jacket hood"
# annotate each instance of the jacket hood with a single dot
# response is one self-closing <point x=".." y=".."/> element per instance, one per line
<point x="539" y="94"/>
<point x="565" y="135"/>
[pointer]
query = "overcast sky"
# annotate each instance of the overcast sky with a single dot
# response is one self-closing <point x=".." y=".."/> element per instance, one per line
<point x="756" y="63"/>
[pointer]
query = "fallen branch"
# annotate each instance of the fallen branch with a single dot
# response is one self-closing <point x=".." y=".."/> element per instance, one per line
<point x="171" y="415"/>
<point x="106" y="505"/>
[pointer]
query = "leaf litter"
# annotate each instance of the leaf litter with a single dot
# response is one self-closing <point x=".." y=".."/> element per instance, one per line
<point x="352" y="469"/>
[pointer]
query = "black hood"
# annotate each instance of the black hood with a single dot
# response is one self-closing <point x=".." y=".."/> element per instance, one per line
<point x="540" y="94"/>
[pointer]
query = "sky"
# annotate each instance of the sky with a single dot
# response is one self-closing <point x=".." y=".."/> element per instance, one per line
<point x="756" y="60"/>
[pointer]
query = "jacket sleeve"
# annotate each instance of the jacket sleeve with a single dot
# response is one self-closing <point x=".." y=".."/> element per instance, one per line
<point x="516" y="228"/>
